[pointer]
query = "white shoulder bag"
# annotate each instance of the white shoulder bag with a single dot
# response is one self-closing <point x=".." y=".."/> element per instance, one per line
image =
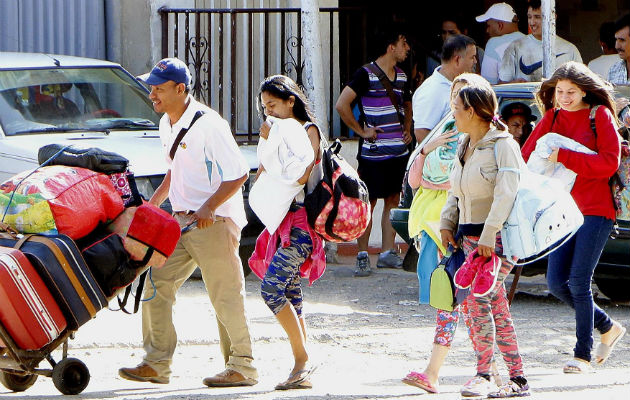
<point x="544" y="217"/>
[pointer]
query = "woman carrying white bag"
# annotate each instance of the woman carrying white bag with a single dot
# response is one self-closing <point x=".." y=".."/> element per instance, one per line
<point x="289" y="152"/>
<point x="574" y="89"/>
<point x="484" y="185"/>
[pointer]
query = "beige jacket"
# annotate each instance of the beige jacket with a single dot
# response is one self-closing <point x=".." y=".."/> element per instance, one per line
<point x="480" y="193"/>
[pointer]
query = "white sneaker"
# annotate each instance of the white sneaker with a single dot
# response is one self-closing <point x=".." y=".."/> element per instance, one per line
<point x="478" y="386"/>
<point x="510" y="389"/>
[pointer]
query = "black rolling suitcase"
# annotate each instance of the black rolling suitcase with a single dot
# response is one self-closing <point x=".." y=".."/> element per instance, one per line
<point x="58" y="261"/>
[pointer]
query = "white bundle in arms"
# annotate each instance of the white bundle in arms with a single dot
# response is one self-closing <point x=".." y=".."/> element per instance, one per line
<point x="543" y="217"/>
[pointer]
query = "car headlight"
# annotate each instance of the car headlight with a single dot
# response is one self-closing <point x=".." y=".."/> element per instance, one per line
<point x="145" y="187"/>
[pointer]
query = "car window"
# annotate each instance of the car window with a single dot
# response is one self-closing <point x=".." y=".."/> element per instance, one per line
<point x="65" y="99"/>
<point x="622" y="91"/>
<point x="531" y="103"/>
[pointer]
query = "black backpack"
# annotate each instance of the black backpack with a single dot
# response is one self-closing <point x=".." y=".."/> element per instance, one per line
<point x="108" y="260"/>
<point x="338" y="209"/>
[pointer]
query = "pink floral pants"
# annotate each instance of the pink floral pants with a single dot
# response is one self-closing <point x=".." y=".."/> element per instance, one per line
<point x="491" y="321"/>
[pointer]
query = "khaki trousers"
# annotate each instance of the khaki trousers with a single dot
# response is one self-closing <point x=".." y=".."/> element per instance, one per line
<point x="215" y="251"/>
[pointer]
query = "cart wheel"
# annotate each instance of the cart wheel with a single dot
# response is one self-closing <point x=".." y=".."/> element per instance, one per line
<point x="70" y="376"/>
<point x="17" y="383"/>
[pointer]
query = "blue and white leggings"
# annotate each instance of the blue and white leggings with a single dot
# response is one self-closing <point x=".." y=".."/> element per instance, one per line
<point x="281" y="283"/>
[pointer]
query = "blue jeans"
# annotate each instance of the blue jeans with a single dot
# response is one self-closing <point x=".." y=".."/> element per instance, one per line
<point x="569" y="276"/>
<point x="427" y="262"/>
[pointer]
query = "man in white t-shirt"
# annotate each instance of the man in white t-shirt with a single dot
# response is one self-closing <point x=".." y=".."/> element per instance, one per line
<point x="203" y="185"/>
<point x="601" y="65"/>
<point x="502" y="27"/>
<point x="431" y="101"/>
<point x="522" y="60"/>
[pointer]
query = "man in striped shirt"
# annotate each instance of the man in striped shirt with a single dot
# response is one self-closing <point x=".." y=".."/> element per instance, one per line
<point x="381" y="90"/>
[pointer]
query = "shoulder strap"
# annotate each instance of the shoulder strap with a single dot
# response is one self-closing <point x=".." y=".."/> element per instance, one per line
<point x="553" y="121"/>
<point x="337" y="192"/>
<point x="591" y="117"/>
<point x="138" y="296"/>
<point x="496" y="159"/>
<point x="388" y="88"/>
<point x="182" y="133"/>
<point x="323" y="143"/>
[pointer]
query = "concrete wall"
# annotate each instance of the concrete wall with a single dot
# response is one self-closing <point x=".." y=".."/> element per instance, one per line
<point x="134" y="32"/>
<point x="70" y="27"/>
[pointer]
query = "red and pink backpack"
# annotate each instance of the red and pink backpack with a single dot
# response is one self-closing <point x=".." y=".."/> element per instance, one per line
<point x="338" y="209"/>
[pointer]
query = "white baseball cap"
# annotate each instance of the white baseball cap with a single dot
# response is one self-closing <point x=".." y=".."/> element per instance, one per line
<point x="498" y="11"/>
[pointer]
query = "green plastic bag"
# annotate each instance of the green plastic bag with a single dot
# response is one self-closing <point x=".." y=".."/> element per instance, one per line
<point x="443" y="293"/>
<point x="442" y="288"/>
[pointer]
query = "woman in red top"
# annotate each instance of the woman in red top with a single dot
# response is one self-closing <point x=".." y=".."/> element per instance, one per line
<point x="566" y="100"/>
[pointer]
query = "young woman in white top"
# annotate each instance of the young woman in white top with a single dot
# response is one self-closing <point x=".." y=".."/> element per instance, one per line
<point x="292" y="250"/>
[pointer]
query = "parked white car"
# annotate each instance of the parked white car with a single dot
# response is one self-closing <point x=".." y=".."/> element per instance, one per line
<point x="84" y="102"/>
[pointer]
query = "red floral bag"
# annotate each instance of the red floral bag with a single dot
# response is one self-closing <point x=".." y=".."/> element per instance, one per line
<point x="338" y="209"/>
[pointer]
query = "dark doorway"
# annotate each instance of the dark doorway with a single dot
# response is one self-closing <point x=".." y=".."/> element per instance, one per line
<point x="422" y="24"/>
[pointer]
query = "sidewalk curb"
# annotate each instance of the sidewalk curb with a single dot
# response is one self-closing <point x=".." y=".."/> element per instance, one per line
<point x="351" y="249"/>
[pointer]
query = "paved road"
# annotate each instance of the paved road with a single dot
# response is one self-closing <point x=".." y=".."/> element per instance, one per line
<point x="366" y="334"/>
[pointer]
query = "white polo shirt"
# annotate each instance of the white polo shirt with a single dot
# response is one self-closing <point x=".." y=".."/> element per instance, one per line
<point x="431" y="101"/>
<point x="206" y="156"/>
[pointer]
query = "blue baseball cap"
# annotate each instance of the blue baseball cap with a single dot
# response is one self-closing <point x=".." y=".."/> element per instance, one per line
<point x="168" y="69"/>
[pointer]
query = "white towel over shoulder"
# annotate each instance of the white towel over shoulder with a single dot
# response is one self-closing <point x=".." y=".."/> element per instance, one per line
<point x="284" y="155"/>
<point x="539" y="163"/>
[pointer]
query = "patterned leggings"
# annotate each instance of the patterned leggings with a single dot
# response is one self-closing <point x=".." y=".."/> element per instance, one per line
<point x="446" y="324"/>
<point x="491" y="320"/>
<point x="281" y="283"/>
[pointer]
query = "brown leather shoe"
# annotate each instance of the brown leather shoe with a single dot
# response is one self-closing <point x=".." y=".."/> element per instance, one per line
<point x="142" y="373"/>
<point x="228" y="378"/>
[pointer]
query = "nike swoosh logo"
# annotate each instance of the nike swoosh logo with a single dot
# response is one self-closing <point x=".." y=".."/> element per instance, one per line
<point x="529" y="69"/>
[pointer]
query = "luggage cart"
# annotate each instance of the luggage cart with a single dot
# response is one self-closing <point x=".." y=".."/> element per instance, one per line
<point x="19" y="368"/>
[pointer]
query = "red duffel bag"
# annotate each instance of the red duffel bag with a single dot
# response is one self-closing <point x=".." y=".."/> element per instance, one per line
<point x="149" y="233"/>
<point x="59" y="199"/>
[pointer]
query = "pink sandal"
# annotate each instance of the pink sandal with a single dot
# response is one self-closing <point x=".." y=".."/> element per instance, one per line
<point x="420" y="380"/>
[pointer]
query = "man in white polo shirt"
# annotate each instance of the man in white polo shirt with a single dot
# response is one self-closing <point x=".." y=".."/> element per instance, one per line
<point x="432" y="100"/>
<point x="203" y="185"/>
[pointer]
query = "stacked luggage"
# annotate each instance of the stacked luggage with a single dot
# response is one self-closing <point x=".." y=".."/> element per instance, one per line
<point x="71" y="239"/>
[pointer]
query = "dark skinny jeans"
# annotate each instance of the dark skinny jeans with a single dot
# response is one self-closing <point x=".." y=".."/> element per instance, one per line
<point x="569" y="276"/>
